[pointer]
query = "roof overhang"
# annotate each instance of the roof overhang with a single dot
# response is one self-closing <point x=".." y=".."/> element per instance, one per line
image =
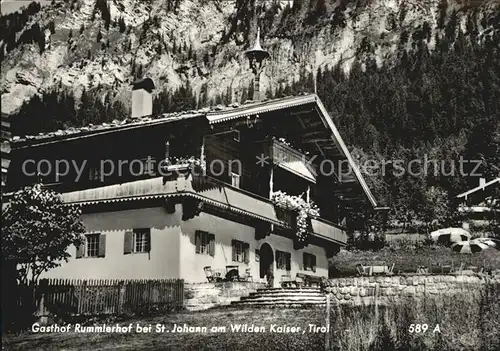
<point x="257" y="108"/>
<point x="298" y="168"/>
<point x="331" y="144"/>
<point x="478" y="188"/>
<point x="204" y="189"/>
<point x="334" y="139"/>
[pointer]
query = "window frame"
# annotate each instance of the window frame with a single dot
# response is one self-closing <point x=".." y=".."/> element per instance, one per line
<point x="235" y="180"/>
<point x="236" y="135"/>
<point x="309" y="262"/>
<point x="283" y="260"/>
<point x="93" y="245"/>
<point x="241" y="254"/>
<point x="145" y="238"/>
<point x="87" y="249"/>
<point x="206" y="243"/>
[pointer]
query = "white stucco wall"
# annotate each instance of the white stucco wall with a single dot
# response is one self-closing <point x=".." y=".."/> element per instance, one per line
<point x="191" y="268"/>
<point x="173" y="251"/>
<point x="161" y="263"/>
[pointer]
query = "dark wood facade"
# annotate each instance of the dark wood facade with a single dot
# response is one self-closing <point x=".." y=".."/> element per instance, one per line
<point x="241" y="152"/>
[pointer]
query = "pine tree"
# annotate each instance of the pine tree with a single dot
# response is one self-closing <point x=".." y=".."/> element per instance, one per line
<point x="52" y="27"/>
<point x="122" y="25"/>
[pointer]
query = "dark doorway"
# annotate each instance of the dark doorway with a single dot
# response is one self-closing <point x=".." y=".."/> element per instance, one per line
<point x="267" y="263"/>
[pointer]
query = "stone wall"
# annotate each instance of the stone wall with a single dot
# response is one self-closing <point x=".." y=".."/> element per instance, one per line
<point x="206" y="295"/>
<point x="367" y="290"/>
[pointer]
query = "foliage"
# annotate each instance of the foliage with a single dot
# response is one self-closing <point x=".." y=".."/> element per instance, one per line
<point x="434" y="108"/>
<point x="467" y="322"/>
<point x="408" y="256"/>
<point x="58" y="109"/>
<point x="439" y="101"/>
<point x="305" y="210"/>
<point x="14" y="23"/>
<point x="37" y="230"/>
<point x="191" y="161"/>
<point x="364" y="241"/>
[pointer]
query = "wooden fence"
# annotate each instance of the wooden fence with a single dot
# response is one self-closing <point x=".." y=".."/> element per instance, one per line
<point x="100" y="297"/>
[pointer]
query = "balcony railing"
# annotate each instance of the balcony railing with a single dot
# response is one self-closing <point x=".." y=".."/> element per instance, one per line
<point x="292" y="160"/>
<point x="209" y="190"/>
<point x="328" y="230"/>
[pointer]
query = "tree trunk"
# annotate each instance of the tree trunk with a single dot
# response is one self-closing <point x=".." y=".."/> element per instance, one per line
<point x="9" y="294"/>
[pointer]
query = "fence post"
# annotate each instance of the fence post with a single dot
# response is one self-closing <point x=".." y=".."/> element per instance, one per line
<point x="377" y="291"/>
<point x="327" y="334"/>
<point x="41" y="312"/>
<point x="121" y="298"/>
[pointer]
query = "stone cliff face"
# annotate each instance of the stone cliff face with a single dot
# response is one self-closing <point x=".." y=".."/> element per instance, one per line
<point x="203" y="41"/>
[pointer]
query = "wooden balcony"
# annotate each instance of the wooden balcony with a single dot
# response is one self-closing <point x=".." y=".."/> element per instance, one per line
<point x="211" y="192"/>
<point x="328" y="230"/>
<point x="292" y="160"/>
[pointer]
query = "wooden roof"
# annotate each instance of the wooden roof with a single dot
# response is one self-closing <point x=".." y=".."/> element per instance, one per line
<point x="317" y="129"/>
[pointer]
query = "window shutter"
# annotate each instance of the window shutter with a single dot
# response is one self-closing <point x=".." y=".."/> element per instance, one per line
<point x="211" y="247"/>
<point x="197" y="240"/>
<point x="128" y="242"/>
<point x="80" y="249"/>
<point x="288" y="262"/>
<point x="246" y="249"/>
<point x="102" y="245"/>
<point x="233" y="246"/>
<point x="313" y="262"/>
<point x="148" y="240"/>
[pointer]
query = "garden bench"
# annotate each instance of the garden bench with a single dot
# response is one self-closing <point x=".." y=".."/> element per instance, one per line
<point x="387" y="270"/>
<point x="363" y="270"/>
<point x="423" y="270"/>
<point x="212" y="276"/>
<point x="374" y="269"/>
<point x="287" y="281"/>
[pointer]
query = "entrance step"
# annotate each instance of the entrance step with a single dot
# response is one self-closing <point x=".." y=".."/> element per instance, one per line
<point x="283" y="297"/>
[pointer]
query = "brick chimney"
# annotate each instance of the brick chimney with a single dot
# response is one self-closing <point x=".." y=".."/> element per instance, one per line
<point x="142" y="98"/>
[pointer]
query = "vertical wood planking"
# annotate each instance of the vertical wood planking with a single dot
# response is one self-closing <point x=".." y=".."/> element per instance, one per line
<point x="97" y="297"/>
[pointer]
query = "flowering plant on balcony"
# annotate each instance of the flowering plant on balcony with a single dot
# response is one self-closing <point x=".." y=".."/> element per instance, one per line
<point x="283" y="141"/>
<point x="191" y="161"/>
<point x="304" y="209"/>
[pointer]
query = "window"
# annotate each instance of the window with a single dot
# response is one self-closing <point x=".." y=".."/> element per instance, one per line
<point x="94" y="173"/>
<point x="142" y="238"/>
<point x="94" y="245"/>
<point x="257" y="255"/>
<point x="236" y="135"/>
<point x="283" y="260"/>
<point x="235" y="180"/>
<point x="309" y="262"/>
<point x="145" y="166"/>
<point x="205" y="243"/>
<point x="92" y="249"/>
<point x="136" y="241"/>
<point x="241" y="251"/>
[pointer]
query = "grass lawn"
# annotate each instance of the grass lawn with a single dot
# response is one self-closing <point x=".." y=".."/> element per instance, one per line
<point x="188" y="341"/>
<point x="407" y="259"/>
<point x="468" y="321"/>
